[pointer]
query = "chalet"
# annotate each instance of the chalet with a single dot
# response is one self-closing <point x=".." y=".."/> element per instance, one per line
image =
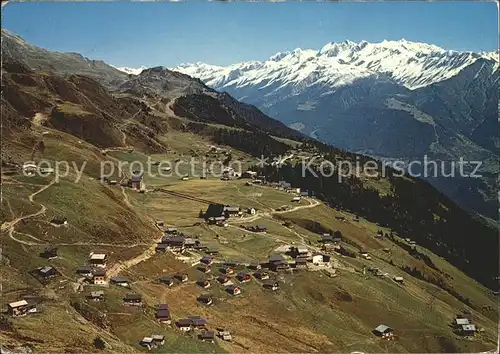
<point x="225" y="335"/>
<point x="261" y="275"/>
<point x="166" y="280"/>
<point x="204" y="283"/>
<point x="120" y="281"/>
<point x="163" y="315"/>
<point x="224" y="280"/>
<point x="363" y="253"/>
<point x="301" y="263"/>
<point x="190" y="242"/>
<point x="85" y="271"/>
<point x="113" y="182"/>
<point x="198" y="322"/>
<point x="251" y="211"/>
<point x="205" y="268"/>
<point x="184" y="325"/>
<point x="136" y="181"/>
<point x="59" y="220"/>
<point x="257" y="228"/>
<point x="207" y="336"/>
<point x="21" y="308"/>
<point x="355" y="218"/>
<point x="230" y="211"/>
<point x="171" y="231"/>
<point x="160" y="223"/>
<point x="270" y="284"/>
<point x="226" y="269"/>
<point x="279" y="266"/>
<point x="162" y="247"/>
<point x="214" y="211"/>
<point x="233" y="290"/>
<point x="96" y="295"/>
<point x="205" y="300"/>
<point x="380" y="234"/>
<point x="158" y="339"/>
<point x="98" y="260"/>
<point x="47" y="272"/>
<point x="326" y="238"/>
<point x="398" y="279"/>
<point x="459" y="322"/>
<point x="320" y="259"/>
<point x="467" y="330"/>
<point x="207" y="260"/>
<point x="99" y="277"/>
<point x="243" y="277"/>
<point x="257" y="181"/>
<point x="175" y="243"/>
<point x="185" y="178"/>
<point x="49" y="252"/>
<point x="254" y="265"/>
<point x="182" y="277"/>
<point x="133" y="299"/>
<point x="299" y="252"/>
<point x="383" y="331"/>
<point x="296" y="199"/>
<point x="147" y="342"/>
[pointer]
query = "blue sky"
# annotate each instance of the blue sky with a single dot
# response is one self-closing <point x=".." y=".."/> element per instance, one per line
<point x="162" y="33"/>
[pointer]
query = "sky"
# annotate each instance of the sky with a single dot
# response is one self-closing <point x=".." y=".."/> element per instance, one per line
<point x="135" y="34"/>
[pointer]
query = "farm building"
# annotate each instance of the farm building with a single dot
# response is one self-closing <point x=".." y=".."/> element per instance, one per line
<point x="301" y="263"/>
<point x="167" y="280"/>
<point x="251" y="211"/>
<point x="85" y="271"/>
<point x="207" y="260"/>
<point x="21" y="308"/>
<point x="204" y="283"/>
<point x="383" y="331"/>
<point x="47" y="272"/>
<point x="59" y="220"/>
<point x="174" y="243"/>
<point x="96" y="295"/>
<point x="207" y="336"/>
<point x="133" y="299"/>
<point x="163" y="315"/>
<point x="162" y="247"/>
<point x="270" y="284"/>
<point x="261" y="275"/>
<point x="98" y="259"/>
<point x="49" y="252"/>
<point x="214" y="211"/>
<point x="120" y="280"/>
<point x="205" y="300"/>
<point x="182" y="277"/>
<point x="205" y="268"/>
<point x="184" y="325"/>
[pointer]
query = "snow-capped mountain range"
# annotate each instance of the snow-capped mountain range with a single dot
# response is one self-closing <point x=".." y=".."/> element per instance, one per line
<point x="410" y="64"/>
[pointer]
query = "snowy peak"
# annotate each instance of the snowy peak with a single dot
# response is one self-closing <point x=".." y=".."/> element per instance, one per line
<point x="411" y="64"/>
<point x="133" y="71"/>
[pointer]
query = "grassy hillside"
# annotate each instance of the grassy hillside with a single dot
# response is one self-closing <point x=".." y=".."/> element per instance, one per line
<point x="318" y="309"/>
